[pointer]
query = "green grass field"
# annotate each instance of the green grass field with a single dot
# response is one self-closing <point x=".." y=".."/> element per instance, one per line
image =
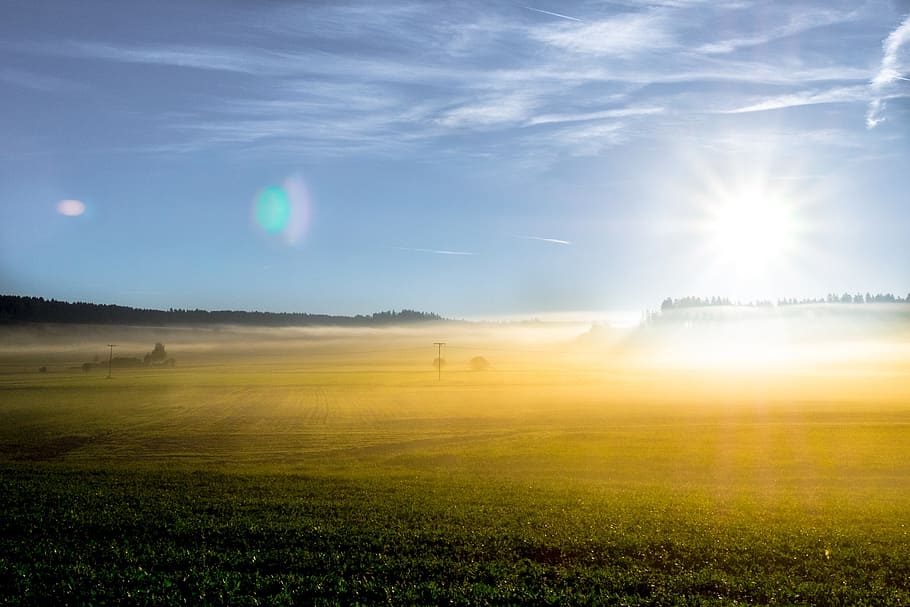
<point x="336" y="469"/>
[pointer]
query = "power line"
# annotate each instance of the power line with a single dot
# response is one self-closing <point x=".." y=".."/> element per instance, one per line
<point x="110" y="359"/>
<point x="439" y="345"/>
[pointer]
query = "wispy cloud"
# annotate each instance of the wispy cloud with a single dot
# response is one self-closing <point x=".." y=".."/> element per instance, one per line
<point x="36" y="81"/>
<point x="598" y="115"/>
<point x="750" y="141"/>
<point x="894" y="65"/>
<point x="345" y="78"/>
<point x="542" y="239"/>
<point x="795" y="23"/>
<point x="503" y="109"/>
<point x="433" y="251"/>
<point x="850" y="94"/>
<point x="589" y="139"/>
<point x="227" y="59"/>
<point x="622" y="35"/>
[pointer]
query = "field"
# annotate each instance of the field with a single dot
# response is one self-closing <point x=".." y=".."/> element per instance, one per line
<point x="333" y="467"/>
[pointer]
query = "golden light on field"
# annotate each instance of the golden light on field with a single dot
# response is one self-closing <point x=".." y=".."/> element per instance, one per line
<point x="738" y="346"/>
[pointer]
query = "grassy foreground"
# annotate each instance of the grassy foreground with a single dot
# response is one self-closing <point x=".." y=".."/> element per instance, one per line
<point x="319" y="477"/>
<point x="203" y="538"/>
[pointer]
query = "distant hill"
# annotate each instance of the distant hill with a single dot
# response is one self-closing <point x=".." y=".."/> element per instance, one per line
<point x="16" y="309"/>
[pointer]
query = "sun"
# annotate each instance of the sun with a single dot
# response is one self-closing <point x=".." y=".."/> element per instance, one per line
<point x="751" y="231"/>
<point x="745" y="225"/>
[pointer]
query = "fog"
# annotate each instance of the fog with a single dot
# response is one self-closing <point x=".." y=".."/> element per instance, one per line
<point x="871" y="338"/>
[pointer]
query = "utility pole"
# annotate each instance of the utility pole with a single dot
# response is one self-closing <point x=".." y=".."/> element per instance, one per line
<point x="110" y="359"/>
<point x="439" y="345"/>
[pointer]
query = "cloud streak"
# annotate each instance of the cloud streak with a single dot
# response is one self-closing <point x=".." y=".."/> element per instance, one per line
<point x="434" y="251"/>
<point x="850" y="94"/>
<point x="552" y="14"/>
<point x="795" y="24"/>
<point x="37" y="82"/>
<point x="499" y="110"/>
<point x="894" y="64"/>
<point x="598" y="115"/>
<point x="622" y="35"/>
<point x="215" y="58"/>
<point x="542" y="239"/>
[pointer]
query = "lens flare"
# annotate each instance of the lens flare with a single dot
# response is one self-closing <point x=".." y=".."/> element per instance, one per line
<point x="273" y="209"/>
<point x="71" y="207"/>
<point x="283" y="211"/>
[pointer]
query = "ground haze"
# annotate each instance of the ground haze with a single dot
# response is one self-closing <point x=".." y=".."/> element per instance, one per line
<point x="332" y="466"/>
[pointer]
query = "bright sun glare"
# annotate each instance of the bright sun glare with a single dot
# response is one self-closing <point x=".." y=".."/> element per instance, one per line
<point x="751" y="231"/>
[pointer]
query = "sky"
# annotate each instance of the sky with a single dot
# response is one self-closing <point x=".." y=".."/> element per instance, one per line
<point x="473" y="159"/>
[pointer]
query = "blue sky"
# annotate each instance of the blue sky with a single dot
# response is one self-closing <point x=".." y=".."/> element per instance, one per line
<point x="472" y="159"/>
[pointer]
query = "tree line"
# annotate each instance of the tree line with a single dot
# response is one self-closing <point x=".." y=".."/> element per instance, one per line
<point x="19" y="309"/>
<point x="702" y="302"/>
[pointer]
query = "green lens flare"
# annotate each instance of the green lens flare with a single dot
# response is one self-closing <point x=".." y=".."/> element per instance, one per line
<point x="273" y="209"/>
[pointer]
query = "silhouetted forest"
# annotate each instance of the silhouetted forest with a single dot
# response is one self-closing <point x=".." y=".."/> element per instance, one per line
<point x="858" y="298"/>
<point x="861" y="312"/>
<point x="17" y="309"/>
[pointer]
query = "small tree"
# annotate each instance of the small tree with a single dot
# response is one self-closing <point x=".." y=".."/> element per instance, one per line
<point x="157" y="356"/>
<point x="479" y="363"/>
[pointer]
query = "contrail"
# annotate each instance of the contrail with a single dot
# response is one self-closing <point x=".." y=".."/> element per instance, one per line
<point x="540" y="10"/>
<point x="434" y="251"/>
<point x="542" y="239"/>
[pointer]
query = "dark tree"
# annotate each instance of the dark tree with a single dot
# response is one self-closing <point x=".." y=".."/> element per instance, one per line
<point x="479" y="363"/>
<point x="156" y="356"/>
